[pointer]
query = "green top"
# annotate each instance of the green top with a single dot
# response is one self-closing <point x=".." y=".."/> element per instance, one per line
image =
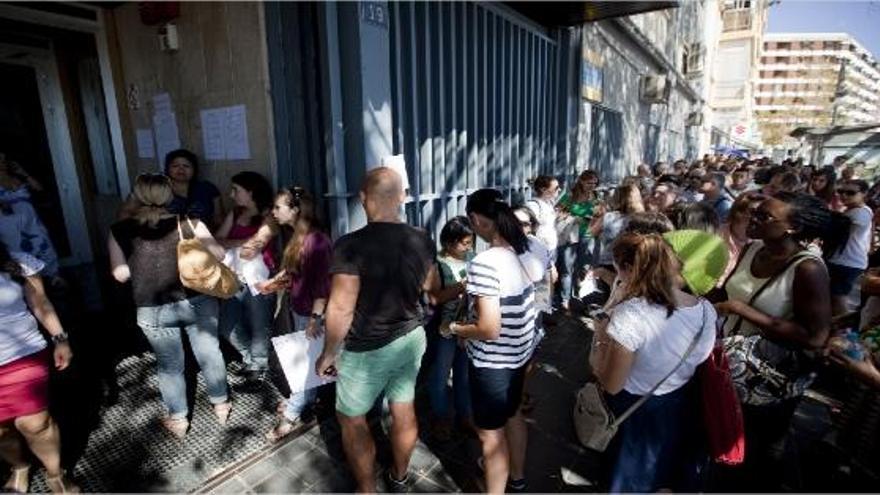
<point x="452" y="271"/>
<point x="582" y="210"/>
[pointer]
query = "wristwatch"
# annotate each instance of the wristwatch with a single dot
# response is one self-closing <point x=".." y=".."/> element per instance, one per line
<point x="453" y="328"/>
<point x="318" y="317"/>
<point x="60" y="338"/>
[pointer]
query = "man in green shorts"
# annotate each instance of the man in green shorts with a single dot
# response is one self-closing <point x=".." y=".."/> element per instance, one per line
<point x="379" y="273"/>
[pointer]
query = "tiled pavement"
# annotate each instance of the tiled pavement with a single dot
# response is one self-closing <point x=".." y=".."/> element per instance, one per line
<point x="314" y="461"/>
<point x="124" y="450"/>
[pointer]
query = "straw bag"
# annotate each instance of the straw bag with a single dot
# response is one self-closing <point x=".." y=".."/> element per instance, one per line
<point x="200" y="270"/>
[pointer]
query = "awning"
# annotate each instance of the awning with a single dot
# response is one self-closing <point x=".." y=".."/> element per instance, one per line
<point x="577" y="13"/>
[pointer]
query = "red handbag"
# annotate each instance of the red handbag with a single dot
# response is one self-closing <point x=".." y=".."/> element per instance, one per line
<point x="722" y="413"/>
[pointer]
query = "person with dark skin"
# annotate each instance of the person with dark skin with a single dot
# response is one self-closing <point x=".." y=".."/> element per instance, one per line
<point x="792" y="314"/>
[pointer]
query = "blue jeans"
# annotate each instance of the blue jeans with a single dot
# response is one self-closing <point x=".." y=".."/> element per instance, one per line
<point x="297" y="402"/>
<point x="449" y="356"/>
<point x="246" y="321"/>
<point x="198" y="318"/>
<point x="571" y="259"/>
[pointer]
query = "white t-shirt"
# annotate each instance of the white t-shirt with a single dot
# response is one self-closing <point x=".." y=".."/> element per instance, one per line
<point x="498" y="273"/>
<point x="855" y="253"/>
<point x="660" y="342"/>
<point x="19" y="334"/>
<point x="538" y="265"/>
<point x="546" y="215"/>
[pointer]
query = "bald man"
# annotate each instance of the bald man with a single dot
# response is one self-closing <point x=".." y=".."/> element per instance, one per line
<point x="378" y="275"/>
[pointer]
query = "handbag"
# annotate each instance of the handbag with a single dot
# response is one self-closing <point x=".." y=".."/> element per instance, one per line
<point x="200" y="270"/>
<point x="594" y="422"/>
<point x="722" y="412"/>
<point x="762" y="372"/>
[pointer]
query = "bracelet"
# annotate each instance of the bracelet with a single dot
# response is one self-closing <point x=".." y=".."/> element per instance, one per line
<point x="318" y="317"/>
<point x="60" y="338"/>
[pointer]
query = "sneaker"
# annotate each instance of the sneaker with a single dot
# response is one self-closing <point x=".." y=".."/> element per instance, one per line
<point x="394" y="485"/>
<point x="517" y="486"/>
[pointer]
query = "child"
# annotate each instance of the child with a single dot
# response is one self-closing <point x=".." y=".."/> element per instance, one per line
<point x="457" y="242"/>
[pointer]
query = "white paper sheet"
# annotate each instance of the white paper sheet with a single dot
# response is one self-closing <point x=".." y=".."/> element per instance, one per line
<point x="162" y="103"/>
<point x="145" y="146"/>
<point x="167" y="135"/>
<point x="213" y="123"/>
<point x="398" y="164"/>
<point x="225" y="133"/>
<point x="236" y="135"/>
<point x="298" y="355"/>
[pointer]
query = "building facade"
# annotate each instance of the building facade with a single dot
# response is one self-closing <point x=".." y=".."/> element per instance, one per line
<point x="815" y="80"/>
<point x="642" y="93"/>
<point x="734" y="69"/>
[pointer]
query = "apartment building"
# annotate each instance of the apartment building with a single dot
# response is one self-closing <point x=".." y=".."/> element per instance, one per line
<point x="734" y="68"/>
<point x="815" y="79"/>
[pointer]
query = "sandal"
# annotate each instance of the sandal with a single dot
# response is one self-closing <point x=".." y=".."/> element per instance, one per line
<point x="222" y="411"/>
<point x="282" y="428"/>
<point x="19" y="480"/>
<point x="62" y="484"/>
<point x="176" y="426"/>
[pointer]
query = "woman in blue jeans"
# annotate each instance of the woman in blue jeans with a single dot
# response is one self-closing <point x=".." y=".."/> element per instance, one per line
<point x="305" y="273"/>
<point x="246" y="318"/>
<point x="143" y="249"/>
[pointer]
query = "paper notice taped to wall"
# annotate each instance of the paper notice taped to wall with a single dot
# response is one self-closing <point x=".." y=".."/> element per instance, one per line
<point x="145" y="146"/>
<point x="398" y="164"/>
<point x="225" y="133"/>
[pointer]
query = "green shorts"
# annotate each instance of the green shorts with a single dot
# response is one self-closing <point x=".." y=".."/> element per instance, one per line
<point x="362" y="376"/>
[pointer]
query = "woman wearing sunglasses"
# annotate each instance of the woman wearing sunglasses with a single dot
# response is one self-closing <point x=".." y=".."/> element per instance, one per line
<point x="849" y="263"/>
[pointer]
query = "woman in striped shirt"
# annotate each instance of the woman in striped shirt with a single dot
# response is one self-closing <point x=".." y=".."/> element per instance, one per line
<point x="501" y="338"/>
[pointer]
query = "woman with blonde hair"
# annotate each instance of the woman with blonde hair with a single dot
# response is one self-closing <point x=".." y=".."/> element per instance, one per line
<point x="143" y="249"/>
<point x="651" y="345"/>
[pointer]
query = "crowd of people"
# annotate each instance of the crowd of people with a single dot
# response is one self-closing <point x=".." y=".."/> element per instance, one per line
<point x="759" y="258"/>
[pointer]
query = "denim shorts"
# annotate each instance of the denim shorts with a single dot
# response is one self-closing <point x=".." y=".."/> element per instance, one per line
<point x="496" y="395"/>
<point x="362" y="376"/>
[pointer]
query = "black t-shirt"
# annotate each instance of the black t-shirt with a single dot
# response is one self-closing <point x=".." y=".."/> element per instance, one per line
<point x="151" y="253"/>
<point x="392" y="261"/>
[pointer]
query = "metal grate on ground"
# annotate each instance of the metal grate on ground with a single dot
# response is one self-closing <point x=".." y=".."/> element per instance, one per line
<point x="131" y="452"/>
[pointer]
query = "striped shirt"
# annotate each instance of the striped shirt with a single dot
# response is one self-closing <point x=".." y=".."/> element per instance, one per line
<point x="498" y="273"/>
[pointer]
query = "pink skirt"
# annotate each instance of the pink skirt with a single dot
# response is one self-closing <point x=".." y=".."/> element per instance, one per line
<point x="24" y="386"/>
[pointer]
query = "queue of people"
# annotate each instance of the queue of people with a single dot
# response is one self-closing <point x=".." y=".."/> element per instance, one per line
<point x="784" y="255"/>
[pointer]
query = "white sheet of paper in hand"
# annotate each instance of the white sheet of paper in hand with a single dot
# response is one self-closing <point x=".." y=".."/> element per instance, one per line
<point x="298" y="355"/>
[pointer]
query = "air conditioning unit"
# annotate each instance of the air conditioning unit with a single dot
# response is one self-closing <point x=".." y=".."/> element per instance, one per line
<point x="694" y="119"/>
<point x="655" y="89"/>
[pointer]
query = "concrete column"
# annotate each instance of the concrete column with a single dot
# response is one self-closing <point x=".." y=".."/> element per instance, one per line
<point x="365" y="69"/>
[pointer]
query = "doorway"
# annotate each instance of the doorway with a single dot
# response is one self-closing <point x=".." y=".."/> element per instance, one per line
<point x="23" y="140"/>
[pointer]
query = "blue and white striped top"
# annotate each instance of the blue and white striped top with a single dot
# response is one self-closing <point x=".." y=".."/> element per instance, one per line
<point x="498" y="273"/>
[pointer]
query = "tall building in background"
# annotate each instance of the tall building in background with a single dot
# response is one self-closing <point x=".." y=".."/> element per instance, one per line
<point x="734" y="70"/>
<point x="814" y="80"/>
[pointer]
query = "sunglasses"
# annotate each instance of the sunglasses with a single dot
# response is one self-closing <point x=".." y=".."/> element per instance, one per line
<point x="847" y="192"/>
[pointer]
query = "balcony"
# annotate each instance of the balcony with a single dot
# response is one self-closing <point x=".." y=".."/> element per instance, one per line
<point x="737" y="20"/>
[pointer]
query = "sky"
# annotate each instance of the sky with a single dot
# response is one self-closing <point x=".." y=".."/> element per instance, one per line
<point x="861" y="19"/>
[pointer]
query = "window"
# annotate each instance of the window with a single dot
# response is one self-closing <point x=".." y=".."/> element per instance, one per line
<point x="694" y="55"/>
